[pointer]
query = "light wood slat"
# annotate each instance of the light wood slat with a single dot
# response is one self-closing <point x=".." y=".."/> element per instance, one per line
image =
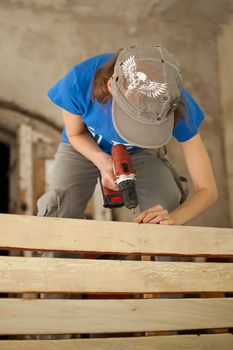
<point x="36" y="233"/>
<point x="181" y="342"/>
<point x="51" y="316"/>
<point x="24" y="275"/>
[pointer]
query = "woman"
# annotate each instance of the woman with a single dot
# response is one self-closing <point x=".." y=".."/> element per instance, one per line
<point x="133" y="97"/>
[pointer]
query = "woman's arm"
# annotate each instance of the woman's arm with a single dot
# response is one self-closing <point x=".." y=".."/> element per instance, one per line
<point x="205" y="191"/>
<point x="83" y="142"/>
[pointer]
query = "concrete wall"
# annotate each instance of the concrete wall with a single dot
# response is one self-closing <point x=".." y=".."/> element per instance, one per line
<point x="41" y="40"/>
<point x="226" y="92"/>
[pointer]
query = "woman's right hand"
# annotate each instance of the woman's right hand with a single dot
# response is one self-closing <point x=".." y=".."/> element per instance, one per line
<point x="107" y="175"/>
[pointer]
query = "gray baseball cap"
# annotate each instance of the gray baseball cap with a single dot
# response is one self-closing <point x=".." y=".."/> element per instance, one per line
<point x="146" y="89"/>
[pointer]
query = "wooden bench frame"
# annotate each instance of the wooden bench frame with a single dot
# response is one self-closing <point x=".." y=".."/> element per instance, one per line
<point x="110" y="285"/>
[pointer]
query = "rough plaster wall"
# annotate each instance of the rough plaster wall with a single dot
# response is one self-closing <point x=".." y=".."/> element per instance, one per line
<point x="226" y="80"/>
<point x="41" y="40"/>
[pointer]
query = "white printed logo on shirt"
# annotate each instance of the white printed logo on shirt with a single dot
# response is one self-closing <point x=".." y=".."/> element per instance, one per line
<point x="113" y="142"/>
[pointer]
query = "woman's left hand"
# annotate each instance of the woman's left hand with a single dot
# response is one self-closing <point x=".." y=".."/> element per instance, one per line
<point x="155" y="215"/>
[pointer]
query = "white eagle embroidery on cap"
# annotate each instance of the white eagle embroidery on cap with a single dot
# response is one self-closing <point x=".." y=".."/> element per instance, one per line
<point x="139" y="80"/>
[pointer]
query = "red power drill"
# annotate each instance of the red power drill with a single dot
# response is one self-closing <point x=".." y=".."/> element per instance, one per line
<point x="125" y="179"/>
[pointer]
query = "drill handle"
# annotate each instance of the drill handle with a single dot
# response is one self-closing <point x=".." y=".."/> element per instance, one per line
<point x="110" y="198"/>
<point x="121" y="160"/>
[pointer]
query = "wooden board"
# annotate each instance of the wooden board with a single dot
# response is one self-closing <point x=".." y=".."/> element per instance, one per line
<point x="181" y="342"/>
<point x="28" y="275"/>
<point x="51" y="316"/>
<point x="36" y="233"/>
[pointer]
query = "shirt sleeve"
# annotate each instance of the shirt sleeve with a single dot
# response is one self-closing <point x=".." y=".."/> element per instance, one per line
<point x="188" y="126"/>
<point x="65" y="93"/>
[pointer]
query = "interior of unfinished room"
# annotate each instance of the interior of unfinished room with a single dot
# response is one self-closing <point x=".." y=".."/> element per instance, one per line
<point x="41" y="41"/>
<point x="50" y="52"/>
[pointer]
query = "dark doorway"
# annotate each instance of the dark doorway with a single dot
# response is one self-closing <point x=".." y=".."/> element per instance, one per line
<point x="4" y="177"/>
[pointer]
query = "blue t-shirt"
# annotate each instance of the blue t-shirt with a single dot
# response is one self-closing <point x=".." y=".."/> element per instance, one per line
<point x="73" y="93"/>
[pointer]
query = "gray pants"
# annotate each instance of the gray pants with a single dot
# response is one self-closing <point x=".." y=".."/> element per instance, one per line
<point x="74" y="179"/>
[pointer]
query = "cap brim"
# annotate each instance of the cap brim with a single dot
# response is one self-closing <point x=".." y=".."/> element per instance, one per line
<point x="140" y="134"/>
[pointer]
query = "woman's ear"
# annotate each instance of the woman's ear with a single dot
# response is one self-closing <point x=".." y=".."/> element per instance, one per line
<point x="109" y="84"/>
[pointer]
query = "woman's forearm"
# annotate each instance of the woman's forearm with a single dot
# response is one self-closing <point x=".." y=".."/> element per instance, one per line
<point x="195" y="205"/>
<point x="87" y="146"/>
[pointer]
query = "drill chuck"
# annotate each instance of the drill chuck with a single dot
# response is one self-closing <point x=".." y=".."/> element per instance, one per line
<point x="129" y="194"/>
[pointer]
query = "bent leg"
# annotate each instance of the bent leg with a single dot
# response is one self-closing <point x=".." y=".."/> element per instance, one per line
<point x="154" y="181"/>
<point x="72" y="185"/>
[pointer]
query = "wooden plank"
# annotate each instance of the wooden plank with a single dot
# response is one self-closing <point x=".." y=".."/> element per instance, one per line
<point x="39" y="179"/>
<point x="36" y="233"/>
<point x="28" y="275"/>
<point x="181" y="342"/>
<point x="54" y="316"/>
<point x="150" y="295"/>
<point x="25" y="169"/>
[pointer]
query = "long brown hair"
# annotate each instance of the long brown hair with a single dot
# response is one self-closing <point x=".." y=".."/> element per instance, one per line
<point x="101" y="93"/>
<point x="103" y="74"/>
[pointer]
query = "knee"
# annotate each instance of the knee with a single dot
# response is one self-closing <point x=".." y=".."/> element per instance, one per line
<point x="58" y="203"/>
<point x="169" y="200"/>
<point x="48" y="204"/>
<point x="172" y="201"/>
